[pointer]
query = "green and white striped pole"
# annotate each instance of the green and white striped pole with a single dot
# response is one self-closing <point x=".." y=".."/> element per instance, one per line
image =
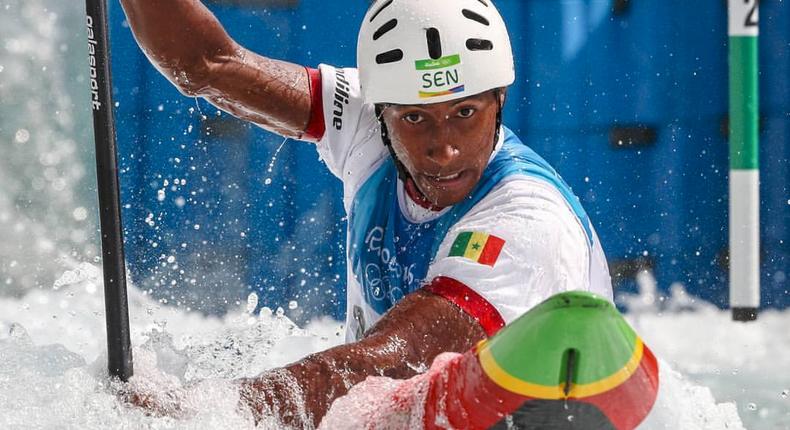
<point x="744" y="161"/>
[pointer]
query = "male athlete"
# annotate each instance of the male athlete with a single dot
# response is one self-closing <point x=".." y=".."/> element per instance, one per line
<point x="455" y="227"/>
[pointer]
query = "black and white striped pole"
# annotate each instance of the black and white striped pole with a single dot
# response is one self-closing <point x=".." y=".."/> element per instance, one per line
<point x="744" y="160"/>
<point x="119" y="350"/>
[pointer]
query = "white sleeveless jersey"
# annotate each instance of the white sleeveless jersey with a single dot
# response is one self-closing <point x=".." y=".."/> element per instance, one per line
<point x="522" y="238"/>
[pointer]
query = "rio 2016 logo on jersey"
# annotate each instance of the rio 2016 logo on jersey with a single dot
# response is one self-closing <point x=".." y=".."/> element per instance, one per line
<point x="383" y="277"/>
<point x="440" y="77"/>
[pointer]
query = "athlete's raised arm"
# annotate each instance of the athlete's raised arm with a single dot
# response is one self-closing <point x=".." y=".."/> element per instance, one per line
<point x="184" y="40"/>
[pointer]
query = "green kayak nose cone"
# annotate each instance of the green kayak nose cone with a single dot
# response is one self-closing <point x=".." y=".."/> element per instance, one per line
<point x="574" y="351"/>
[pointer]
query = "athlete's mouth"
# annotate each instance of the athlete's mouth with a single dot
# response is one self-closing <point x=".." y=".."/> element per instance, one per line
<point x="445" y="178"/>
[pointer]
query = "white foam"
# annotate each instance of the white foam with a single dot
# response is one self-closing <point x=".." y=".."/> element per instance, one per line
<point x="45" y="384"/>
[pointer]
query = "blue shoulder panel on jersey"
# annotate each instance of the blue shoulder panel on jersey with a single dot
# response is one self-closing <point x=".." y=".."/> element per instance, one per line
<point x="537" y="167"/>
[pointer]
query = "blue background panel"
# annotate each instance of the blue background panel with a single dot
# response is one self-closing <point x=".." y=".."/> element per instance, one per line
<point x="269" y="215"/>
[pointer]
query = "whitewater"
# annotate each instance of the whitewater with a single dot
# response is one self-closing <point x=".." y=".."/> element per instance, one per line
<point x="52" y="337"/>
<point x="53" y="371"/>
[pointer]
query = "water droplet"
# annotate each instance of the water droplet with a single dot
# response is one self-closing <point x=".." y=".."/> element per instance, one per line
<point x="17" y="332"/>
<point x="785" y="393"/>
<point x="570" y="418"/>
<point x="752" y="406"/>
<point x="171" y="259"/>
<point x="268" y="181"/>
<point x="80" y="214"/>
<point x="293" y="304"/>
<point x="252" y="302"/>
<point x="22" y="136"/>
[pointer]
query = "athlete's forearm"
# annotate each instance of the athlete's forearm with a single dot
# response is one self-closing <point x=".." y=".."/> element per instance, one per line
<point x="301" y="393"/>
<point x="186" y="42"/>
<point x="402" y="344"/>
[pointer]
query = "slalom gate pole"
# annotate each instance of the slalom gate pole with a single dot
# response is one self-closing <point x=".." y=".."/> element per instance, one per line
<point x="744" y="160"/>
<point x="119" y="350"/>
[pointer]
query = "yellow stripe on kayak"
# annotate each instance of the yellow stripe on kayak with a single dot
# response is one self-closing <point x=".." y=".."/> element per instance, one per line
<point x="557" y="392"/>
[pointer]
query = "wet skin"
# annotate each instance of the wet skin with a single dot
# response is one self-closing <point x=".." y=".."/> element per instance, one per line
<point x="184" y="40"/>
<point x="445" y="147"/>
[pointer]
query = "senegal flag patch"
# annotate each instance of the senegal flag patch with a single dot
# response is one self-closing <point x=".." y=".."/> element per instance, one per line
<point x="479" y="247"/>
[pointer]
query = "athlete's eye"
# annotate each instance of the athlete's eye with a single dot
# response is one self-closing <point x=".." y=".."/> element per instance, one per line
<point x="466" y="112"/>
<point x="413" y="118"/>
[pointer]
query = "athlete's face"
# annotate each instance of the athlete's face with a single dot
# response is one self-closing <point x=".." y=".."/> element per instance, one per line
<point x="445" y="147"/>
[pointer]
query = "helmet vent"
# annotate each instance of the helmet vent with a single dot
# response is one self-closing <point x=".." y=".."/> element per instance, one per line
<point x="483" y="2"/>
<point x="479" y="45"/>
<point x="434" y="43"/>
<point x="474" y="16"/>
<point x="384" y="6"/>
<point x="384" y="29"/>
<point x="389" y="57"/>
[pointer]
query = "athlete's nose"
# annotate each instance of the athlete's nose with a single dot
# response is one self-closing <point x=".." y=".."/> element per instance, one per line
<point x="442" y="150"/>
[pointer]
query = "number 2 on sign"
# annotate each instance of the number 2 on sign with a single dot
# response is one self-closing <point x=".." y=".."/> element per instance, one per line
<point x="751" y="19"/>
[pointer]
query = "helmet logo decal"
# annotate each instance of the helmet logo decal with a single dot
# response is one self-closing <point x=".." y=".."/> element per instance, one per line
<point x="440" y="77"/>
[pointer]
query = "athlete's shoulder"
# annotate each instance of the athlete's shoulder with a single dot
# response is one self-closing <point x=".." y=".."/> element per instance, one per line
<point x="521" y="195"/>
<point x="516" y="247"/>
<point x="341" y="96"/>
<point x="515" y="159"/>
<point x="351" y="146"/>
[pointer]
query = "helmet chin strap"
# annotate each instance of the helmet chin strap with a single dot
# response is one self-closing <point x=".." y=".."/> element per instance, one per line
<point x="403" y="174"/>
<point x="498" y="95"/>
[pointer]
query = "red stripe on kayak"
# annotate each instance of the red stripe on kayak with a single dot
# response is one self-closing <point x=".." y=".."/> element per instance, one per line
<point x="629" y="404"/>
<point x="463" y="396"/>
<point x="469" y="301"/>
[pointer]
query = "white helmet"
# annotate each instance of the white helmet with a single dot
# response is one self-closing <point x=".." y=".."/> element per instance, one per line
<point x="431" y="51"/>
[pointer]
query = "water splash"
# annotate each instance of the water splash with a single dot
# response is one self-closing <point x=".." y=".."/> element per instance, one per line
<point x="43" y="181"/>
<point x="270" y="168"/>
<point x="58" y="379"/>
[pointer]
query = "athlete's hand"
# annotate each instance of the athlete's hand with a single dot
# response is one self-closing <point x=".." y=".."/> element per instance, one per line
<point x="153" y="401"/>
<point x="277" y="398"/>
